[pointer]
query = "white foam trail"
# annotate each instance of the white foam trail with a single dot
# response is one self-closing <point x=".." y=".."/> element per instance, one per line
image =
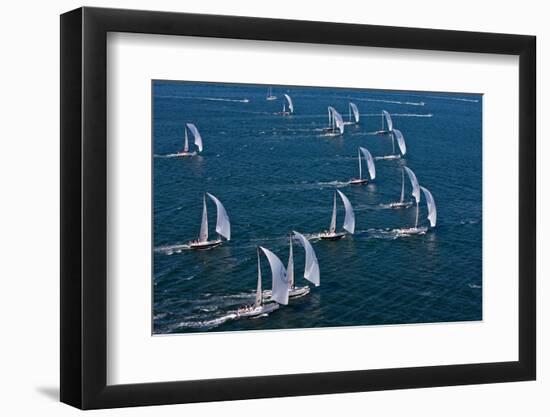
<point x="399" y="114"/>
<point x="474" y="286"/>
<point x="170" y="249"/>
<point x="229" y="100"/>
<point x="377" y="100"/>
<point x="469" y="100"/>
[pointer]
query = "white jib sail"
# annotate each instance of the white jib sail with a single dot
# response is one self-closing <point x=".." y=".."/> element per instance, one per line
<point x="290" y="105"/>
<point x="360" y="165"/>
<point x="311" y="270"/>
<point x="332" y="228"/>
<point x="400" y="141"/>
<point x="279" y="282"/>
<point x="330" y="113"/>
<point x="223" y="227"/>
<point x="432" y="209"/>
<point x="259" y="294"/>
<point x="414" y="183"/>
<point x="349" y="220"/>
<point x="338" y="121"/>
<point x="203" y="235"/>
<point x="290" y="266"/>
<point x="196" y="135"/>
<point x="370" y="162"/>
<point x="388" y="120"/>
<point x="355" y="112"/>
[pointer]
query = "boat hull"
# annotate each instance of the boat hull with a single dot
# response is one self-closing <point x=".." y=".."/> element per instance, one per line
<point x="205" y="245"/>
<point x="255" y="311"/>
<point x="332" y="236"/>
<point x="399" y="205"/>
<point x="295" y="292"/>
<point x="412" y="231"/>
<point x="271" y="98"/>
<point x="382" y="132"/>
<point x="184" y="154"/>
<point x="357" y="181"/>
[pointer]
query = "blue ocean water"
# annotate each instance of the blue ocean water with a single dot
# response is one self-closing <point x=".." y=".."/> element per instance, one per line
<point x="275" y="174"/>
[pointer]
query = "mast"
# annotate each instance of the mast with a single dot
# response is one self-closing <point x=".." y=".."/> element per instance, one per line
<point x="333" y="220"/>
<point x="359" y="155"/>
<point x="349" y="110"/>
<point x="392" y="144"/>
<point x="290" y="266"/>
<point x="203" y="236"/>
<point x="402" y="185"/>
<point x="416" y="221"/>
<point x="186" y="143"/>
<point x="259" y="294"/>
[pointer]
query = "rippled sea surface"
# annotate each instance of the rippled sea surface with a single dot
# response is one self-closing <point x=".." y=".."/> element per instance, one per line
<point x="275" y="174"/>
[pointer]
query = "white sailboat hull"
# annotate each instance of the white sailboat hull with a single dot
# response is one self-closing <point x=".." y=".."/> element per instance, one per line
<point x="255" y="311"/>
<point x="332" y="236"/>
<point x="185" y="154"/>
<point x="358" y="181"/>
<point x="295" y="292"/>
<point x="412" y="231"/>
<point x="387" y="157"/>
<point x="205" y="245"/>
<point x="271" y="98"/>
<point x="399" y="205"/>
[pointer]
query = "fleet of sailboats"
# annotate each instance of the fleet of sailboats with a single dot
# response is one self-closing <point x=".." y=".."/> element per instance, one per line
<point x="370" y="165"/>
<point x="223" y="226"/>
<point x="283" y="279"/>
<point x="197" y="140"/>
<point x="349" y="220"/>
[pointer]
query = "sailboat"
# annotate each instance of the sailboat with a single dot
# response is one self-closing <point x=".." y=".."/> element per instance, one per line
<point x="349" y="220"/>
<point x="270" y="96"/>
<point x="395" y="135"/>
<point x="197" y="138"/>
<point x="355" y="111"/>
<point x="386" y="127"/>
<point x="401" y="203"/>
<point x="223" y="227"/>
<point x="432" y="210"/>
<point x="287" y="111"/>
<point x="370" y="165"/>
<point x="335" y="123"/>
<point x="260" y="306"/>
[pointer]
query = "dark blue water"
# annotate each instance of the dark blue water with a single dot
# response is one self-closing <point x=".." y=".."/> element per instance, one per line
<point x="275" y="174"/>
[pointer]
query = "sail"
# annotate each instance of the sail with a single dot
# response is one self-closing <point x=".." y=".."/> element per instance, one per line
<point x="196" y="135"/>
<point x="349" y="220"/>
<point x="388" y="120"/>
<point x="279" y="282"/>
<point x="360" y="168"/>
<point x="414" y="183"/>
<point x="400" y="141"/>
<point x="259" y="295"/>
<point x="186" y="142"/>
<point x="332" y="228"/>
<point x="370" y="162"/>
<point x="432" y="210"/>
<point x="290" y="105"/>
<point x="311" y="270"/>
<point x="402" y="185"/>
<point x="223" y="227"/>
<point x="330" y="112"/>
<point x="203" y="235"/>
<point x="338" y="121"/>
<point x="355" y="112"/>
<point x="290" y="266"/>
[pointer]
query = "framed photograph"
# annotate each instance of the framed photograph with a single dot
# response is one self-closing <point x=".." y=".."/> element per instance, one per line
<point x="257" y="208"/>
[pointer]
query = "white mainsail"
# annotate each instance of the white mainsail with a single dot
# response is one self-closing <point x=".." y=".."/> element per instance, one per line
<point x="259" y="294"/>
<point x="279" y="282"/>
<point x="223" y="227"/>
<point x="349" y="219"/>
<point x="290" y="105"/>
<point x="400" y="141"/>
<point x="332" y="228"/>
<point x="402" y="185"/>
<point x="414" y="183"/>
<point x="186" y="143"/>
<point x="388" y="120"/>
<point x="355" y="110"/>
<point x="203" y="235"/>
<point x="290" y="266"/>
<point x="432" y="210"/>
<point x="370" y="163"/>
<point x="311" y="270"/>
<point x="196" y="135"/>
<point x="338" y="121"/>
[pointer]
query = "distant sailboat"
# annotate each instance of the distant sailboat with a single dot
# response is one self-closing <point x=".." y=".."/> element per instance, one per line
<point x="288" y="106"/>
<point x="349" y="220"/>
<point x="353" y="110"/>
<point x="386" y="127"/>
<point x="370" y="165"/>
<point x="197" y="138"/>
<point x="260" y="306"/>
<point x="401" y="203"/>
<point x="432" y="210"/>
<point x="223" y="227"/>
<point x="270" y="96"/>
<point x="335" y="123"/>
<point x="395" y="134"/>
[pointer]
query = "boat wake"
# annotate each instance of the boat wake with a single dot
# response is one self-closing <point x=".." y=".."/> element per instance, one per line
<point x="171" y="249"/>
<point x="229" y="100"/>
<point x="468" y="100"/>
<point x="379" y="100"/>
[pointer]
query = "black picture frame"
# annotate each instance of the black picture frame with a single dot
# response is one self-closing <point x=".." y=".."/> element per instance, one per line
<point x="84" y="207"/>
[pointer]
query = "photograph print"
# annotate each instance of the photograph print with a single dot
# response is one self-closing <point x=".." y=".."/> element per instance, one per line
<point x="300" y="207"/>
